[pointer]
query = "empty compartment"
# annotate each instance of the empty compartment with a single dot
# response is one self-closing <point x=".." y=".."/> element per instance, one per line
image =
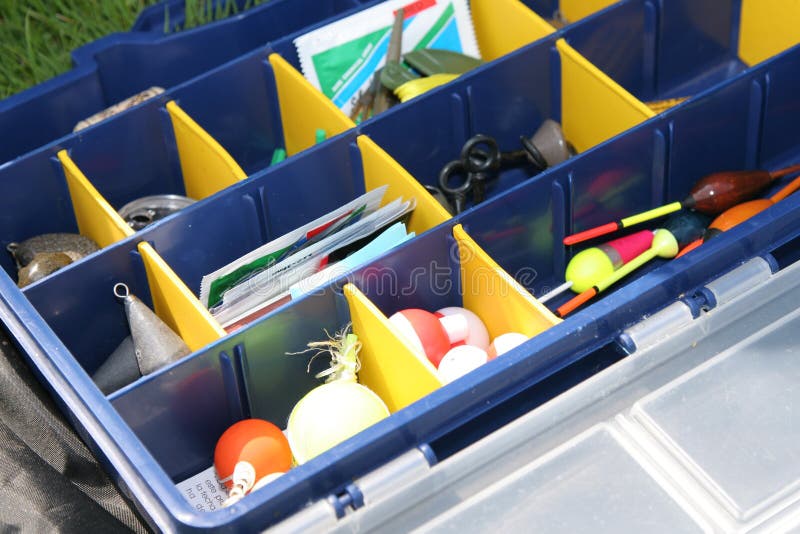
<point x="500" y="27"/>
<point x="666" y="50"/>
<point x="562" y="12"/>
<point x="256" y="105"/>
<point x="778" y="85"/>
<point x="142" y="153"/>
<point x="506" y="100"/>
<point x="279" y="200"/>
<point x="118" y="66"/>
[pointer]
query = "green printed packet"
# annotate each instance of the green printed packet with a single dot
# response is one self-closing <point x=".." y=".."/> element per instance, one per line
<point x="214" y="285"/>
<point x="341" y="58"/>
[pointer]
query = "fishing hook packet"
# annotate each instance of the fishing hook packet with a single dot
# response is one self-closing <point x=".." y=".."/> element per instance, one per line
<point x="341" y="58"/>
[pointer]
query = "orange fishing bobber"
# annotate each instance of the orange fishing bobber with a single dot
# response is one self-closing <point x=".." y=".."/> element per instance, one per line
<point x="249" y="451"/>
<point x="740" y="213"/>
<point x="746" y="210"/>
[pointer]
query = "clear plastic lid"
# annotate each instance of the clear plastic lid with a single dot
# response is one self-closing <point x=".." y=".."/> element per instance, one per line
<point x="591" y="484"/>
<point x="734" y="422"/>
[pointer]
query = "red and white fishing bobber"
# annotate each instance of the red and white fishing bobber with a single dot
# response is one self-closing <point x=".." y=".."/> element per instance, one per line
<point x="429" y="333"/>
<point x="504" y="343"/>
<point x="459" y="361"/>
<point x="462" y="359"/>
<point x="468" y="355"/>
<point x="477" y="334"/>
<point x="247" y="452"/>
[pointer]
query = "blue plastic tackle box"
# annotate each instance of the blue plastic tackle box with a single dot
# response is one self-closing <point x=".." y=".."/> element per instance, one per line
<point x="234" y="94"/>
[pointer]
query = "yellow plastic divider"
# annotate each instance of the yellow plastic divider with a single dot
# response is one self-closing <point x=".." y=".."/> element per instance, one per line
<point x="491" y="293"/>
<point x="206" y="165"/>
<point x="502" y="26"/>
<point x="767" y="28"/>
<point x="97" y="220"/>
<point x="389" y="365"/>
<point x="381" y="169"/>
<point x="574" y="10"/>
<point x="304" y="109"/>
<point x="176" y="304"/>
<point x="594" y="107"/>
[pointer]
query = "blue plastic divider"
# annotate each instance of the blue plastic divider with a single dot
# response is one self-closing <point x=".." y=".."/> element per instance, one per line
<point x="115" y="67"/>
<point x="237" y="104"/>
<point x="162" y="17"/>
<point x="422" y="275"/>
<point x="778" y="86"/>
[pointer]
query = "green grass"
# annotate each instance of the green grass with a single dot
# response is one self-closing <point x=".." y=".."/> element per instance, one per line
<point x="37" y="36"/>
